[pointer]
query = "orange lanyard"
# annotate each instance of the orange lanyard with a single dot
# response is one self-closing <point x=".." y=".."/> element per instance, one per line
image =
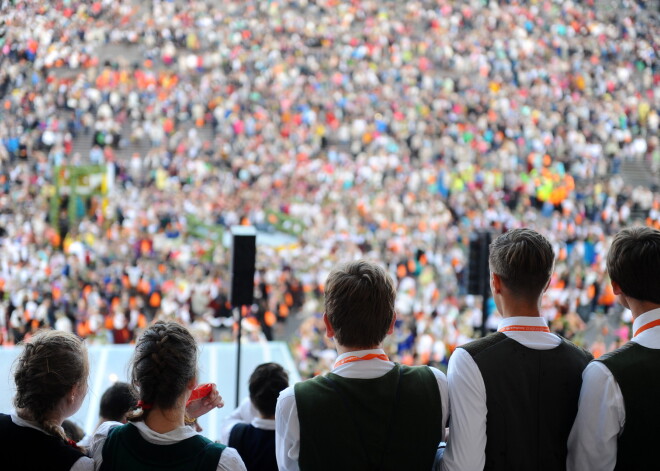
<point x="524" y="328"/>
<point x="370" y="356"/>
<point x="647" y="326"/>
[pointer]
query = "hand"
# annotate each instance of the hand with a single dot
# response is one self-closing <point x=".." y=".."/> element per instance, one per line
<point x="199" y="407"/>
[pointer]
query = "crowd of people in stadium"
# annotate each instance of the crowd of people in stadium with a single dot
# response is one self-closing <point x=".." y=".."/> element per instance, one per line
<point x="381" y="130"/>
<point x="521" y="398"/>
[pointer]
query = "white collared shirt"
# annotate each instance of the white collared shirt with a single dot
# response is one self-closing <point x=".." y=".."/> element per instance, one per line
<point x="230" y="460"/>
<point x="82" y="464"/>
<point x="466" y="447"/>
<point x="287" y="426"/>
<point x="592" y="444"/>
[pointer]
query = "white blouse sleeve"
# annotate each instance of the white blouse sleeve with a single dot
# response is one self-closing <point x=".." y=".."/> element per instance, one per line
<point x="84" y="463"/>
<point x="230" y="460"/>
<point x="98" y="440"/>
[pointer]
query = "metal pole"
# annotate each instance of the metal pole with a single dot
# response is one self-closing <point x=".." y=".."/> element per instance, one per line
<point x="238" y="318"/>
<point x="484" y="280"/>
<point x="484" y="313"/>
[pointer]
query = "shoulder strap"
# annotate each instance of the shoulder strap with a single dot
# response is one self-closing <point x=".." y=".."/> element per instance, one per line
<point x="478" y="346"/>
<point x="587" y="355"/>
<point x="212" y="453"/>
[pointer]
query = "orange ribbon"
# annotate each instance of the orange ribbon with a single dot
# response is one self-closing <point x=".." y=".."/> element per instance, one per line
<point x="524" y="328"/>
<point x="370" y="356"/>
<point x="647" y="326"/>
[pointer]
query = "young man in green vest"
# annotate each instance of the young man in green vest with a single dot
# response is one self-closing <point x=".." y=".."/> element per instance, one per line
<point x="514" y="394"/>
<point x="618" y="422"/>
<point x="368" y="413"/>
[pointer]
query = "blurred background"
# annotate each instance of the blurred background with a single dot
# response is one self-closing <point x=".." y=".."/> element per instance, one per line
<point x="134" y="134"/>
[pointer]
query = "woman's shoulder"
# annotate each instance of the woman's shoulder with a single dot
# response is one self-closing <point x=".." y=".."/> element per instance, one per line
<point x="230" y="460"/>
<point x="84" y="463"/>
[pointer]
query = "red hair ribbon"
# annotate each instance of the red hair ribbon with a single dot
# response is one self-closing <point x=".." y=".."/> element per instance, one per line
<point x="73" y="444"/>
<point x="144" y="405"/>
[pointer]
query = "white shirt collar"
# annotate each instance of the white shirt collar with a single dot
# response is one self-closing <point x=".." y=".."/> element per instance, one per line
<point x="26" y="423"/>
<point x="359" y="353"/>
<point x="645" y="318"/>
<point x="522" y="320"/>
<point x="173" y="436"/>
<point x="263" y="424"/>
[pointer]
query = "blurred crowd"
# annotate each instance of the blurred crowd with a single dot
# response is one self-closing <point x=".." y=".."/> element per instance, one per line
<point x="365" y="129"/>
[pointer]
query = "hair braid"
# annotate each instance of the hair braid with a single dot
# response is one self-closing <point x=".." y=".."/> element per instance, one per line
<point x="165" y="360"/>
<point x="50" y="365"/>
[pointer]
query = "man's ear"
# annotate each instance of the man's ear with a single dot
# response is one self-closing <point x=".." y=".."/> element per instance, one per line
<point x="547" y="285"/>
<point x="495" y="283"/>
<point x="390" y="331"/>
<point x="616" y="288"/>
<point x="329" y="331"/>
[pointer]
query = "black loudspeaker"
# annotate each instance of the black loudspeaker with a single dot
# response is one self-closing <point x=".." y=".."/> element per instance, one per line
<point x="478" y="271"/>
<point x="243" y="259"/>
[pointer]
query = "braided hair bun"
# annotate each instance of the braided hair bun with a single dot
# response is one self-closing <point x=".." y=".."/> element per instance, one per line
<point x="164" y="362"/>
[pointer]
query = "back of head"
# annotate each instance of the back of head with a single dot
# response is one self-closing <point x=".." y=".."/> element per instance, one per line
<point x="359" y="303"/>
<point x="633" y="262"/>
<point x="117" y="401"/>
<point x="50" y="365"/>
<point x="266" y="383"/>
<point x="72" y="431"/>
<point x="524" y="260"/>
<point x="164" y="362"/>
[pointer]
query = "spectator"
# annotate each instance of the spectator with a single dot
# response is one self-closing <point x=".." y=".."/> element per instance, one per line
<point x="51" y="384"/>
<point x="514" y="393"/>
<point x="164" y="372"/>
<point x="617" y="422"/>
<point x="72" y="431"/>
<point x="251" y="427"/>
<point x="349" y="418"/>
<point x="387" y="130"/>
<point x="116" y="403"/>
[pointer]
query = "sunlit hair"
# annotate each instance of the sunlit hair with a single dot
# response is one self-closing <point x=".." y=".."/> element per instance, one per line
<point x="50" y="365"/>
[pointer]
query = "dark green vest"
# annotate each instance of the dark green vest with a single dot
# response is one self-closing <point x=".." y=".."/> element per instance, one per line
<point x="532" y="398"/>
<point x="636" y="370"/>
<point x="389" y="423"/>
<point x="125" y="449"/>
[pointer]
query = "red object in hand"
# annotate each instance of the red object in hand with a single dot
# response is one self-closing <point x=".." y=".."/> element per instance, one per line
<point x="200" y="392"/>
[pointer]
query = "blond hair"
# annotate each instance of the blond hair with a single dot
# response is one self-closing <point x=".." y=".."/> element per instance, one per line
<point x="50" y="365"/>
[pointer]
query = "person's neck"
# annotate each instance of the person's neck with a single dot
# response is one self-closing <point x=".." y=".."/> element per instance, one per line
<point x="53" y="417"/>
<point x="518" y="308"/>
<point x="165" y="420"/>
<point x="637" y="307"/>
<point x="25" y="414"/>
<point x="341" y="349"/>
<point x="509" y="305"/>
